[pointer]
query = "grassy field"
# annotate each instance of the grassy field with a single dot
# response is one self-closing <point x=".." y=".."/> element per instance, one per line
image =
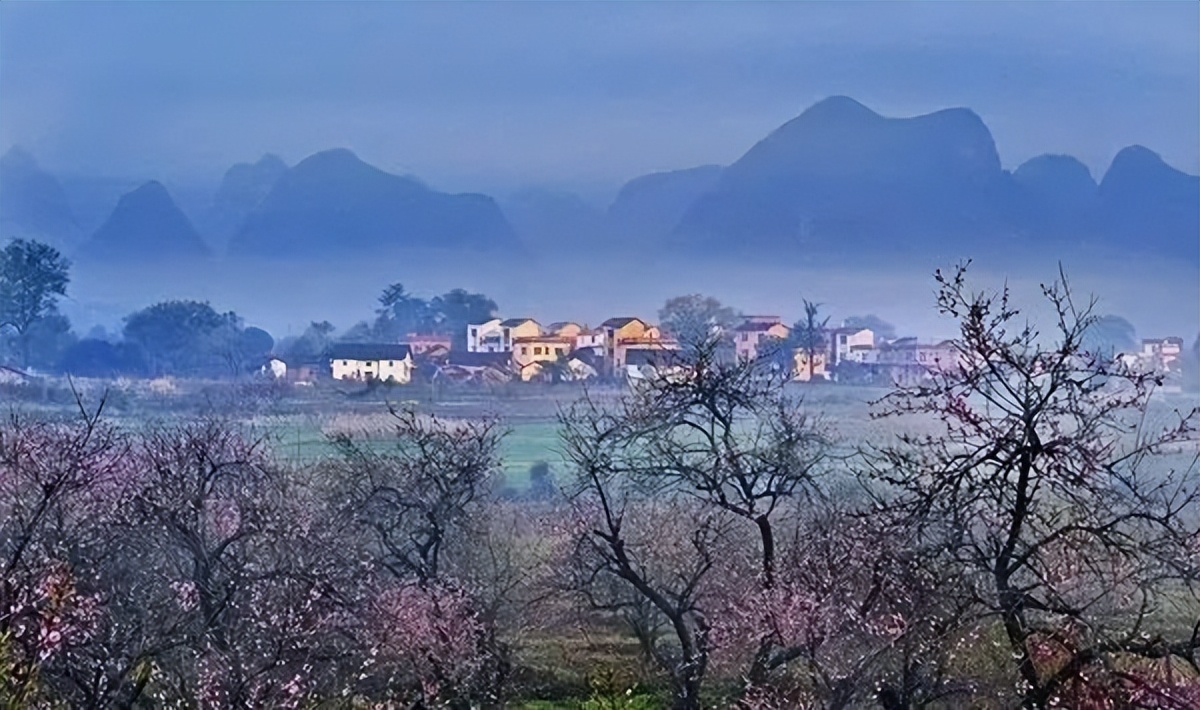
<point x="530" y="422"/>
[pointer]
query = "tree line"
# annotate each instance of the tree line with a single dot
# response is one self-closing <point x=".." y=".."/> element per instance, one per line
<point x="1025" y="536"/>
<point x="191" y="338"/>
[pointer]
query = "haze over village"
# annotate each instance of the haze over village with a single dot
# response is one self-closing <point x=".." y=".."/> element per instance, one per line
<point x="600" y="356"/>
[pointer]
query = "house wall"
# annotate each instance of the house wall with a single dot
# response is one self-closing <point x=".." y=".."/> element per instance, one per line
<point x="800" y="370"/>
<point x="526" y="353"/>
<point x="485" y="337"/>
<point x="850" y="346"/>
<point x="622" y="348"/>
<point x="528" y="329"/>
<point x="421" y="344"/>
<point x="589" y="339"/>
<point x="398" y="370"/>
<point x="747" y="344"/>
<point x="277" y="368"/>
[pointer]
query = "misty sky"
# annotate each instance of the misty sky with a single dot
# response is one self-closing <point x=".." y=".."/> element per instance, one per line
<point x="485" y="96"/>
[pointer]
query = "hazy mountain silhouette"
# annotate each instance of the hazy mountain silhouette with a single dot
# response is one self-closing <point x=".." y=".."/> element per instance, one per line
<point x="841" y="177"/>
<point x="146" y="225"/>
<point x="651" y="205"/>
<point x="551" y="220"/>
<point x="33" y="204"/>
<point x="332" y="203"/>
<point x="1147" y="203"/>
<point x="242" y="188"/>
<point x="1056" y="197"/>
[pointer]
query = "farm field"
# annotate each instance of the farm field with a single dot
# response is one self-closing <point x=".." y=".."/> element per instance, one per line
<point x="297" y="423"/>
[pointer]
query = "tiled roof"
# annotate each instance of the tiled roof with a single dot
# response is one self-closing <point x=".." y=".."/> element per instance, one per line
<point x="559" y="339"/>
<point x="514" y="322"/>
<point x="756" y="327"/>
<point x="620" y="322"/>
<point x="466" y="359"/>
<point x="369" y="351"/>
<point x="655" y="358"/>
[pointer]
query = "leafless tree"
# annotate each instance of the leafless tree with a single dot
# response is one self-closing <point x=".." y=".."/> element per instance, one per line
<point x="1051" y="483"/>
<point x="721" y="442"/>
<point x="58" y="481"/>
<point x="419" y="509"/>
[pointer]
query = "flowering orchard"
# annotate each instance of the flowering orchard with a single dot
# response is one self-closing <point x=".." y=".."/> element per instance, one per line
<point x="712" y="544"/>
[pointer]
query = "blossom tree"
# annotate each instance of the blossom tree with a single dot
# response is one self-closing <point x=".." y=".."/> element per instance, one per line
<point x="1065" y="493"/>
<point x="58" y="484"/>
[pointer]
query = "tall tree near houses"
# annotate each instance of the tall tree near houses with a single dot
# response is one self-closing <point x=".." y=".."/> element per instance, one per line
<point x="457" y="308"/>
<point x="809" y="334"/>
<point x="694" y="318"/>
<point x="400" y="313"/>
<point x="32" y="278"/>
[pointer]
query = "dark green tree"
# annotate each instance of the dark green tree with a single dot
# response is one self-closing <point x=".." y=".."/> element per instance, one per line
<point x="313" y="343"/>
<point x="694" y="318"/>
<point x="401" y="313"/>
<point x="360" y="332"/>
<point x="181" y="337"/>
<point x="456" y="309"/>
<point x="877" y="325"/>
<point x="47" y="339"/>
<point x="808" y="334"/>
<point x="32" y="278"/>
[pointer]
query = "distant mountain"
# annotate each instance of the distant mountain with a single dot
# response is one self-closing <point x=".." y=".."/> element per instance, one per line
<point x="842" y="180"/>
<point x="1147" y="203"/>
<point x="840" y="177"/>
<point x="1056" y="196"/>
<point x="242" y="188"/>
<point x="651" y="205"/>
<point x="550" y="220"/>
<point x="146" y="225"/>
<point x="33" y="204"/>
<point x="333" y="203"/>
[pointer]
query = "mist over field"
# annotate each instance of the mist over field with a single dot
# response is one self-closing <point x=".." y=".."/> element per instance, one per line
<point x="600" y="356"/>
<point x="283" y="295"/>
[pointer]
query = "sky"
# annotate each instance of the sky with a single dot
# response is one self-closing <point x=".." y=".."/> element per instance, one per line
<point x="494" y="96"/>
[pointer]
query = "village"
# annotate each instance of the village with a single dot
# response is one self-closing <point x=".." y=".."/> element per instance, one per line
<point x="631" y="349"/>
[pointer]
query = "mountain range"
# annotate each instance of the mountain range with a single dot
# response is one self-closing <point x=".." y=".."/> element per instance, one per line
<point x="333" y="202"/>
<point x="33" y="203"/>
<point x="145" y="226"/>
<point x="837" y="180"/>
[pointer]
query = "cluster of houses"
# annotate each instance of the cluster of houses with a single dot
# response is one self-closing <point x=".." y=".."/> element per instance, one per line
<point x="629" y="348"/>
<point x="1160" y="355"/>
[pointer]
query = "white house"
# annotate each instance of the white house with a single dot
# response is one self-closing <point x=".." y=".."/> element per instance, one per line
<point x="387" y="362"/>
<point x="854" y="344"/>
<point x="485" y="337"/>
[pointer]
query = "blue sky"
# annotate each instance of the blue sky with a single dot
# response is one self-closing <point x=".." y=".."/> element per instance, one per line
<point x="488" y="95"/>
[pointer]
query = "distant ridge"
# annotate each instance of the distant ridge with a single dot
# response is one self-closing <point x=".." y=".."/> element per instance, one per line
<point x="653" y="204"/>
<point x="1144" y="201"/>
<point x="841" y="171"/>
<point x="243" y="186"/>
<point x="146" y="225"/>
<point x="33" y="204"/>
<point x="840" y="179"/>
<point x="332" y="203"/>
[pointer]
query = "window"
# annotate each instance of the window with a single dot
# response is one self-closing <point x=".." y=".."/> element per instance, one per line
<point x="391" y="363"/>
<point x="524" y="350"/>
<point x="474" y="332"/>
<point x="537" y="351"/>
<point x="558" y="351"/>
<point x="345" y="364"/>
